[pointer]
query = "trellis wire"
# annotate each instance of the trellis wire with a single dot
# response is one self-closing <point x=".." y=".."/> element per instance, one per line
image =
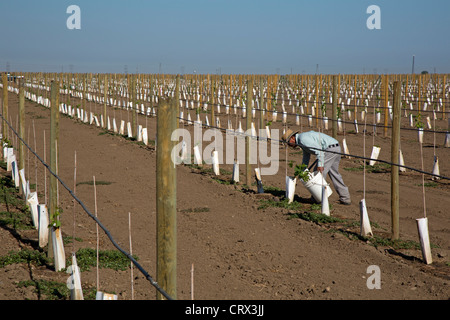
<point x="335" y="152"/>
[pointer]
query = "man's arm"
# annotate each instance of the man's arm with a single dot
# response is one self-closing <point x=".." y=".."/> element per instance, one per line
<point x="320" y="159"/>
<point x="306" y="157"/>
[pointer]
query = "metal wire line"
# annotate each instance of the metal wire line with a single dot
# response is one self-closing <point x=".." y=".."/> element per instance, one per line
<point x="140" y="268"/>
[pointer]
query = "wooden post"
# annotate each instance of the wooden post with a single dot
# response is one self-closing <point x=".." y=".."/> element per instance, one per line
<point x="317" y="101"/>
<point x="334" y="106"/>
<point x="320" y="100"/>
<point x="443" y="97"/>
<point x="5" y="106"/>
<point x="54" y="137"/>
<point x="83" y="99"/>
<point x="177" y="99"/>
<point x="307" y="95"/>
<point x="261" y="104"/>
<point x="105" y="89"/>
<point x="356" y="107"/>
<point x="248" y="173"/>
<point x="21" y="163"/>
<point x="134" y="109"/>
<point x="69" y="88"/>
<point x="386" y="99"/>
<point x="339" y="87"/>
<point x="166" y="207"/>
<point x="394" y="160"/>
<point x="213" y="89"/>
<point x="231" y="90"/>
<point x="419" y="91"/>
<point x="200" y="101"/>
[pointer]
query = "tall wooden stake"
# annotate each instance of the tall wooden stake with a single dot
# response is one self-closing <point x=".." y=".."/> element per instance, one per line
<point x="131" y="253"/>
<point x="21" y="126"/>
<point x="394" y="159"/>
<point x="335" y="101"/>
<point x="213" y="117"/>
<point x="105" y="92"/>
<point x="261" y="103"/>
<point x="54" y="136"/>
<point x="96" y="232"/>
<point x="248" y="108"/>
<point x="443" y="97"/>
<point x="317" y="101"/>
<point x="5" y="105"/>
<point x="166" y="206"/>
<point x="192" y="282"/>
<point x="386" y="100"/>
<point x="177" y="98"/>
<point x="134" y="109"/>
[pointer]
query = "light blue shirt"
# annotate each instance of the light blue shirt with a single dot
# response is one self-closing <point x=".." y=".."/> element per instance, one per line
<point x="316" y="140"/>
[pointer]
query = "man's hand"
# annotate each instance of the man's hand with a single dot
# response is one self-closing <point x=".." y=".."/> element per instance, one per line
<point x="320" y="169"/>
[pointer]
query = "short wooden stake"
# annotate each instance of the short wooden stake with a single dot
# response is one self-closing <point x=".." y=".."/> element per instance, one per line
<point x="131" y="253"/>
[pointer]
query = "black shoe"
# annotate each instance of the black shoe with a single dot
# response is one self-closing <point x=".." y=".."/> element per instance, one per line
<point x="346" y="203"/>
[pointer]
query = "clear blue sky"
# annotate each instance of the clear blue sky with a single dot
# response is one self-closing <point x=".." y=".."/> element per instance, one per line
<point x="226" y="36"/>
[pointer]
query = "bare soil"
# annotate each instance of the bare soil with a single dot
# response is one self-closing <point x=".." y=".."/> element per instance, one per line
<point x="236" y="248"/>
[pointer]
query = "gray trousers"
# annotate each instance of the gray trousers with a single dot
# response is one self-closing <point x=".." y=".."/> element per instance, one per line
<point x="331" y="167"/>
